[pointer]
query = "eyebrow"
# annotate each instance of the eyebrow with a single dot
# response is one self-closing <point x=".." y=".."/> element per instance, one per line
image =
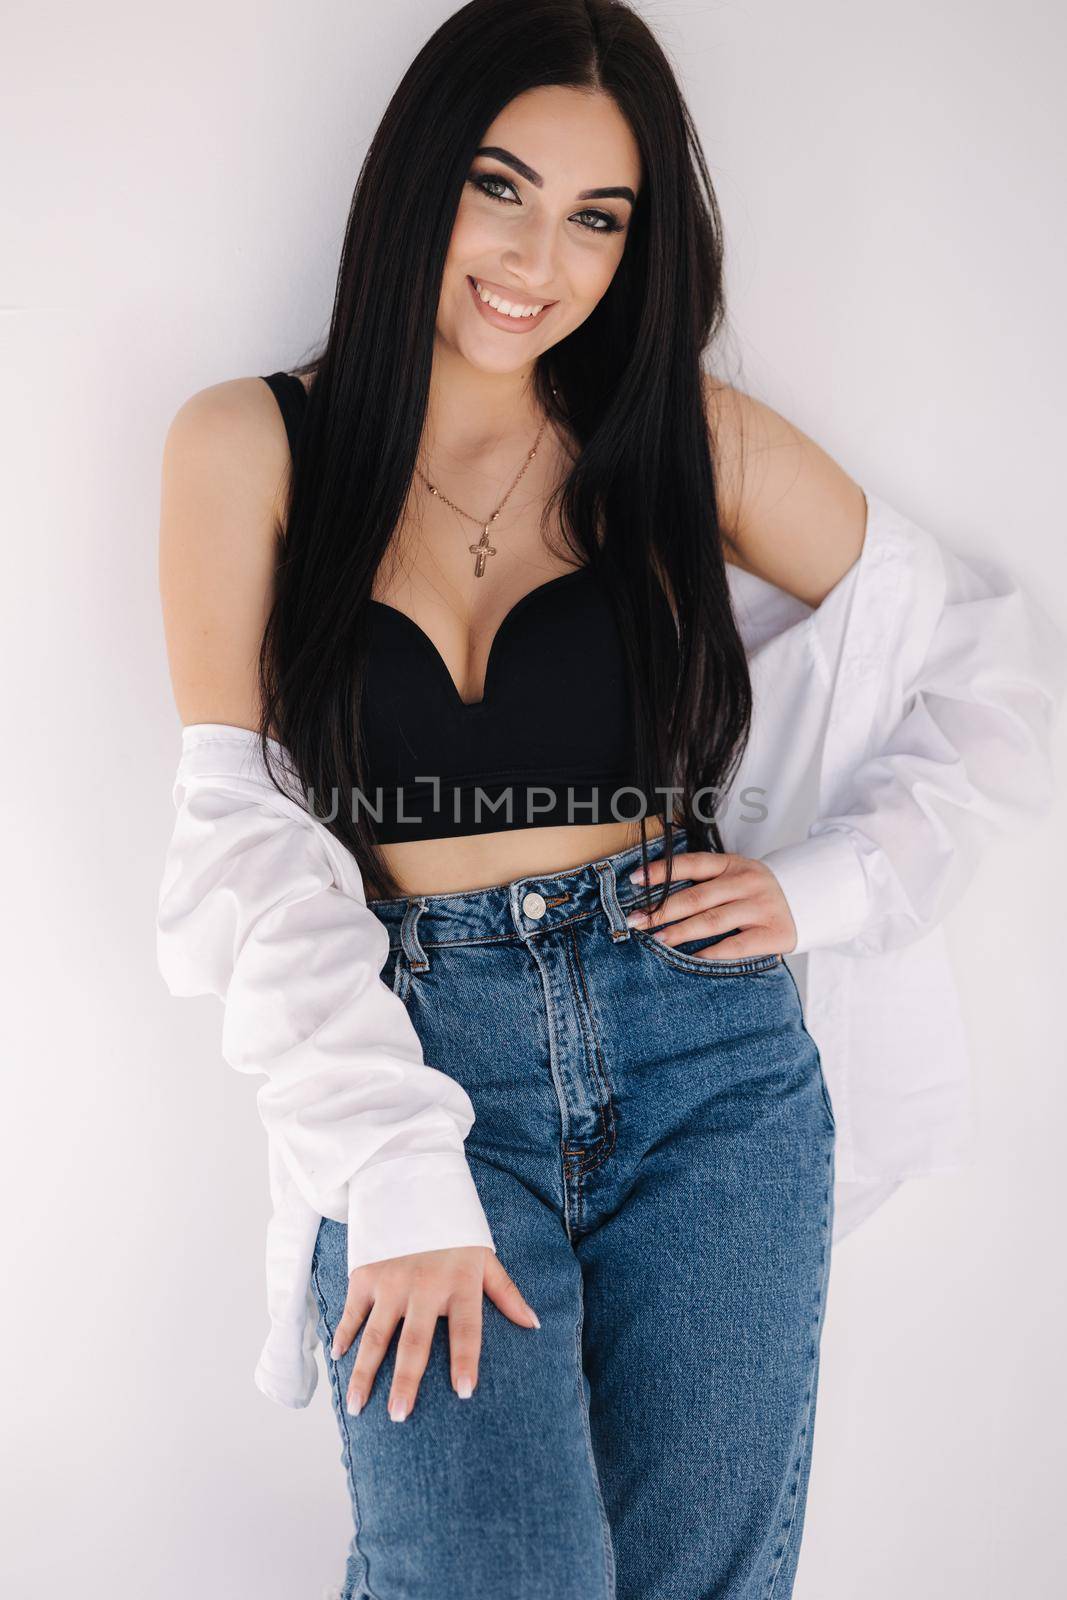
<point x="621" y="191"/>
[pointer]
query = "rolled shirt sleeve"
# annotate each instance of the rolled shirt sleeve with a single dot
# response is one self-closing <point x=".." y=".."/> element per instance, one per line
<point x="262" y="906"/>
<point x="948" y="685"/>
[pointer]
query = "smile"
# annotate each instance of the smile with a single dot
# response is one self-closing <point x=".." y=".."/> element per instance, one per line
<point x="510" y="313"/>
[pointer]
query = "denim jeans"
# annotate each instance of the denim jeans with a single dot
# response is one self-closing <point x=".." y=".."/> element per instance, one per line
<point x="654" y="1150"/>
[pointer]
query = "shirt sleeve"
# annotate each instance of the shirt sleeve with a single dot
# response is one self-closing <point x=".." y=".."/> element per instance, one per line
<point x="261" y="905"/>
<point x="946" y="692"/>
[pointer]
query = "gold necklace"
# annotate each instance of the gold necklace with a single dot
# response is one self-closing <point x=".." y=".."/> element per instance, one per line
<point x="483" y="548"/>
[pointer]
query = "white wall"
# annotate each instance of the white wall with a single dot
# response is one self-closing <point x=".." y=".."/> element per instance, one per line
<point x="174" y="192"/>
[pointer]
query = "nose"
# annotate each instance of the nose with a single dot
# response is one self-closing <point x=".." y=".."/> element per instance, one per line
<point x="531" y="252"/>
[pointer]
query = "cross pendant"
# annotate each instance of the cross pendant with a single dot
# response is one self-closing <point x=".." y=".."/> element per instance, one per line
<point x="480" y="550"/>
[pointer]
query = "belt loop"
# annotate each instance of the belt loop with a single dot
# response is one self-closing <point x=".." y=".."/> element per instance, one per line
<point x="418" y="960"/>
<point x="620" y="928"/>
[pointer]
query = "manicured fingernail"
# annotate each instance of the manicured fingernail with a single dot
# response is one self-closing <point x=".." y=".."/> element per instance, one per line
<point x="355" y="1405"/>
<point x="398" y="1410"/>
<point x="464" y="1388"/>
<point x="639" y="875"/>
<point x="535" y="1321"/>
<point x="635" y="919"/>
<point x="335" y="1350"/>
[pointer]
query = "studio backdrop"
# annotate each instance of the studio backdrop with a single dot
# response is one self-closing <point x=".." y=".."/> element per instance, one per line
<point x="174" y="190"/>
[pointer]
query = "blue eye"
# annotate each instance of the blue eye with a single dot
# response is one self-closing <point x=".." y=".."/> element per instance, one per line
<point x="480" y="182"/>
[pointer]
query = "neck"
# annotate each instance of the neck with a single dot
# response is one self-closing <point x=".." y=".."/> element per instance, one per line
<point x="474" y="417"/>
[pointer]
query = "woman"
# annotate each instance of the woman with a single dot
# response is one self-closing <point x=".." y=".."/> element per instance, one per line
<point x="440" y="608"/>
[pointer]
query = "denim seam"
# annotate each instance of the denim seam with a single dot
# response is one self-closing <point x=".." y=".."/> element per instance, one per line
<point x="462" y="944"/>
<point x="605" y="1525"/>
<point x="366" y="1592"/>
<point x="513" y="938"/>
<point x="820" y="1302"/>
<point x="555" y="1082"/>
<point x="588" y="1159"/>
<point x="506" y="938"/>
<point x="823" y="1085"/>
<point x="574" y="1170"/>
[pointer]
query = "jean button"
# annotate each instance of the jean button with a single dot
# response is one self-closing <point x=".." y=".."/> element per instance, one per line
<point x="534" y="904"/>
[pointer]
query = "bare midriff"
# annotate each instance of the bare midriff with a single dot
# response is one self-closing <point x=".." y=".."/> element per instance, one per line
<point x="487" y="860"/>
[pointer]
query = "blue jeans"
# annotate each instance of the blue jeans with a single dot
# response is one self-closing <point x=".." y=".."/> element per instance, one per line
<point x="654" y="1150"/>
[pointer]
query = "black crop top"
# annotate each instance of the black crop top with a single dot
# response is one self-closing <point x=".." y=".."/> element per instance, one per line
<point x="549" y="743"/>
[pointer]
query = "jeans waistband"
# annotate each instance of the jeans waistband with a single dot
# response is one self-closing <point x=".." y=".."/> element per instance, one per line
<point x="528" y="906"/>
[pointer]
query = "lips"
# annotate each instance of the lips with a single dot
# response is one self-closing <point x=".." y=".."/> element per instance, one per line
<point x="500" y="319"/>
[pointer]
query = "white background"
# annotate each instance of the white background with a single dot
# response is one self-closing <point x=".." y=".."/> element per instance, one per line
<point x="175" y="186"/>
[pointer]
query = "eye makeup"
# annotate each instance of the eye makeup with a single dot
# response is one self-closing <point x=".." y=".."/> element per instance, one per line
<point x="481" y="183"/>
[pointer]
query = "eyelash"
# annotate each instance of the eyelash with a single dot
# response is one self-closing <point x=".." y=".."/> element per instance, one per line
<point x="477" y="180"/>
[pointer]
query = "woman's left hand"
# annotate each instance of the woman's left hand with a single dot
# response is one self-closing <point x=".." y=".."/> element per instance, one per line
<point x="730" y="892"/>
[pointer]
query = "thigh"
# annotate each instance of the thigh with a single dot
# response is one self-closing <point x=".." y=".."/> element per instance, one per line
<point x="705" y="1286"/>
<point x="494" y="1496"/>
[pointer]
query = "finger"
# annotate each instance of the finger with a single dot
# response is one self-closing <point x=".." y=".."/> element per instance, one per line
<point x="506" y="1296"/>
<point x="412" y="1354"/>
<point x="373" y="1343"/>
<point x="688" y="864"/>
<point x="734" y="904"/>
<point x="465" y="1339"/>
<point x="679" y="903"/>
<point x="737" y="892"/>
<point x="357" y="1307"/>
<point x="710" y="922"/>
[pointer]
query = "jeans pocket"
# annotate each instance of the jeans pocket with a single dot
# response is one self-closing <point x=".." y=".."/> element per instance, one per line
<point x="683" y="958"/>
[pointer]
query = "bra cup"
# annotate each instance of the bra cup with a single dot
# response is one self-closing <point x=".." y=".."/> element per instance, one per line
<point x="556" y="714"/>
<point x="529" y="718"/>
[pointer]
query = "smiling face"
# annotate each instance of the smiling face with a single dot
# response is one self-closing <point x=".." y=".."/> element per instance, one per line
<point x="542" y="222"/>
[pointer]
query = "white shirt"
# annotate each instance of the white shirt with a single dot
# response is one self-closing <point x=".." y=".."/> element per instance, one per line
<point x="897" y="729"/>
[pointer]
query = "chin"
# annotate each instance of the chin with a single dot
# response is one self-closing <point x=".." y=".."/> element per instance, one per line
<point x="490" y="359"/>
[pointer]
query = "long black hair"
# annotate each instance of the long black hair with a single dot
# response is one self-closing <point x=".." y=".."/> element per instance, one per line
<point x="639" y="500"/>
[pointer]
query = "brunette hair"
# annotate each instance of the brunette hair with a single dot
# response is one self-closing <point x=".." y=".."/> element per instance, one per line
<point x="639" y="500"/>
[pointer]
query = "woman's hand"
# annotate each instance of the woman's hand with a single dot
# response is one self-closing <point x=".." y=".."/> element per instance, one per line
<point x="419" y="1288"/>
<point x="732" y="892"/>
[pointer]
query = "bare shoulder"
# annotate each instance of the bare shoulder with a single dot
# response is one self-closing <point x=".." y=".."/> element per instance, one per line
<point x="232" y="432"/>
<point x="224" y="471"/>
<point x="789" y="512"/>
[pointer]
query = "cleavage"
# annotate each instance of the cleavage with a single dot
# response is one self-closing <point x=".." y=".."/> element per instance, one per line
<point x="522" y="604"/>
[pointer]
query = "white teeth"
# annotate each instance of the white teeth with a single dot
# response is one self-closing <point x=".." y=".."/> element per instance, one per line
<point x="505" y="306"/>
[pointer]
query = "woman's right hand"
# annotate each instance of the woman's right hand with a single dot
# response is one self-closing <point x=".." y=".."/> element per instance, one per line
<point x="419" y="1288"/>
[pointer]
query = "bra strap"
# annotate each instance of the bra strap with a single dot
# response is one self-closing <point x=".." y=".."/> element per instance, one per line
<point x="292" y="400"/>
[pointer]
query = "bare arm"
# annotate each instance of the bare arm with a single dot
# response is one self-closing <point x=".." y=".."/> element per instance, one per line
<point x="365" y="1128"/>
<point x="224" y="464"/>
<point x="789" y="512"/>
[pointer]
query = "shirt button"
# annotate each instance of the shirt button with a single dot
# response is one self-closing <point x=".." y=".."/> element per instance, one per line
<point x="534" y="904"/>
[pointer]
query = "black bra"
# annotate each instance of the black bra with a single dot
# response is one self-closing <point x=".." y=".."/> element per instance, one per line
<point x="549" y="743"/>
